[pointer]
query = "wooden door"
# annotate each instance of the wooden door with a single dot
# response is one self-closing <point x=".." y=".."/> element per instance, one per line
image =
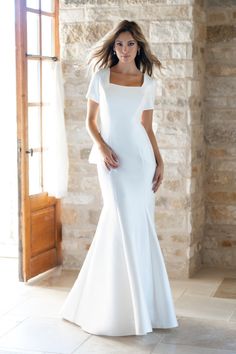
<point x="40" y="229"/>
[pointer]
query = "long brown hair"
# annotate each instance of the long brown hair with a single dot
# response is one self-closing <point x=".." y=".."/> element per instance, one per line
<point x="102" y="56"/>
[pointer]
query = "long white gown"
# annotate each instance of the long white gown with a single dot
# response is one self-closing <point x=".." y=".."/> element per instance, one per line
<point x="123" y="287"/>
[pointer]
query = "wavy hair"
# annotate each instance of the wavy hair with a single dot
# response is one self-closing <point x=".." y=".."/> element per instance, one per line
<point x="101" y="54"/>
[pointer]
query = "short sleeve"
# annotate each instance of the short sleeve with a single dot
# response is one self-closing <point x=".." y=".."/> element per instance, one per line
<point x="93" y="88"/>
<point x="150" y="95"/>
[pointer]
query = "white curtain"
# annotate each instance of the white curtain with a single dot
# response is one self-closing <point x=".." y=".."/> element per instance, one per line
<point x="8" y="133"/>
<point x="55" y="156"/>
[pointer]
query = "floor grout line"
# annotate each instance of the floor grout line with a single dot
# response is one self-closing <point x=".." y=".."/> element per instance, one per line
<point x="86" y="339"/>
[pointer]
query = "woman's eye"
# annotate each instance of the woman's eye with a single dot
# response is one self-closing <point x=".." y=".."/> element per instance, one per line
<point x="120" y="44"/>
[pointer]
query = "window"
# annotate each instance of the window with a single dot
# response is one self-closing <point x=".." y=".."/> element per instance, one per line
<point x="42" y="46"/>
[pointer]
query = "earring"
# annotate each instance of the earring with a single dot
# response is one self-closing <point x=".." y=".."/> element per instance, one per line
<point x="139" y="52"/>
<point x="114" y="53"/>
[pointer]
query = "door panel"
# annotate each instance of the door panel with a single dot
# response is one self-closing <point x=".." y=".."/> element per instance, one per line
<point x="43" y="262"/>
<point x="45" y="234"/>
<point x="43" y="230"/>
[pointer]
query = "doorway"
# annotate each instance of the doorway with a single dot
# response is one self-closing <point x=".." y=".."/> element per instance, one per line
<point x="30" y="211"/>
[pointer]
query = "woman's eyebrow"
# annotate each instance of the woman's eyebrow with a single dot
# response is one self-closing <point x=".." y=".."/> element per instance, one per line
<point x="131" y="40"/>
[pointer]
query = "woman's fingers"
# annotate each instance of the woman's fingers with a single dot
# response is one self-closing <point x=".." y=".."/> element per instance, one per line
<point x="154" y="176"/>
<point x="107" y="166"/>
<point x="114" y="158"/>
<point x="157" y="179"/>
<point x="156" y="185"/>
<point x="111" y="159"/>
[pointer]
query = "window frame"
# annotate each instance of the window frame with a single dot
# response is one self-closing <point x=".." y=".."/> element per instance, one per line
<point x="24" y="64"/>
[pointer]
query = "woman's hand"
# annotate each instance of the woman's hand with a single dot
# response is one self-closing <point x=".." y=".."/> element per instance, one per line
<point x="158" y="176"/>
<point x="110" y="158"/>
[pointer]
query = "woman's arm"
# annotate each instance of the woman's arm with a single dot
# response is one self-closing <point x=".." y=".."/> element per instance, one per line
<point x="146" y="121"/>
<point x="91" y="122"/>
<point x="110" y="158"/>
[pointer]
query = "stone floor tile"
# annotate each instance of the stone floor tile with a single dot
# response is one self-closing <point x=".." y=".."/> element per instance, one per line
<point x="233" y="317"/>
<point x="227" y="289"/>
<point x="44" y="335"/>
<point x="177" y="290"/>
<point x="204" y="307"/>
<point x="45" y="303"/>
<point x="12" y="296"/>
<point x="109" y="351"/>
<point x="195" y="286"/>
<point x="8" y="322"/>
<point x="203" y="333"/>
<point x="124" y="344"/>
<point x="57" y="279"/>
<point x="212" y="273"/>
<point x="17" y="351"/>
<point x="163" y="348"/>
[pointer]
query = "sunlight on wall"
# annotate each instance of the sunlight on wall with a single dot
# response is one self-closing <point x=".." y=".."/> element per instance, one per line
<point x="8" y="135"/>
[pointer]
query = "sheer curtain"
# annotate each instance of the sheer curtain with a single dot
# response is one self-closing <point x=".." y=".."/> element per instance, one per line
<point x="8" y="133"/>
<point x="55" y="156"/>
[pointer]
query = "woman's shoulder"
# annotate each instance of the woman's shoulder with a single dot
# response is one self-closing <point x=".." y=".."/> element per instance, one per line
<point x="98" y="75"/>
<point x="150" y="81"/>
<point x="100" y="72"/>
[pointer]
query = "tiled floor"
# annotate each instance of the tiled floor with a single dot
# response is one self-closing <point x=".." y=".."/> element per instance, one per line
<point x="30" y="324"/>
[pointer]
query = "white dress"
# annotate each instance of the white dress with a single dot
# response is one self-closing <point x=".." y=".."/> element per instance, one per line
<point x="123" y="287"/>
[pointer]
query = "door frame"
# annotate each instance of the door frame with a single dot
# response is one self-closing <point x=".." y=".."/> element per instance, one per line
<point x="21" y="100"/>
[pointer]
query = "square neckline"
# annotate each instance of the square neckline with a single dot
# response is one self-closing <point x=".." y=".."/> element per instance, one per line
<point x="110" y="83"/>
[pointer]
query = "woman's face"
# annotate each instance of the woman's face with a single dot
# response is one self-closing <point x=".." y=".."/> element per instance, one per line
<point x="126" y="47"/>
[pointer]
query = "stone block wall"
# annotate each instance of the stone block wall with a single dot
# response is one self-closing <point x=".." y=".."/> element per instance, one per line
<point x="179" y="40"/>
<point x="176" y="32"/>
<point x="220" y="135"/>
<point x="196" y="131"/>
<point x="188" y="119"/>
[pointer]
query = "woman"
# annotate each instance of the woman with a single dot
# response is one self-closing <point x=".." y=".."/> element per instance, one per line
<point x="123" y="287"/>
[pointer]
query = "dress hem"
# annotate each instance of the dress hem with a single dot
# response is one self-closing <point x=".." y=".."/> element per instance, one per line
<point x="124" y="334"/>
